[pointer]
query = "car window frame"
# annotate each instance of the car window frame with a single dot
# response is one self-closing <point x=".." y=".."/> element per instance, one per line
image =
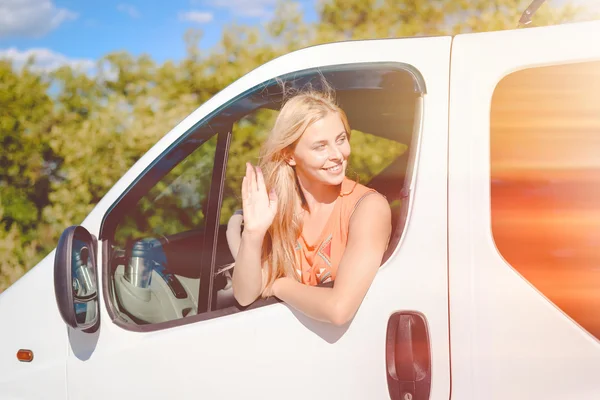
<point x="145" y="180"/>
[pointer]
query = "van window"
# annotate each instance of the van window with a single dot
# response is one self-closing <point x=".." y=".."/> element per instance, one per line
<point x="545" y="183"/>
<point x="159" y="243"/>
<point x="247" y="136"/>
<point x="167" y="257"/>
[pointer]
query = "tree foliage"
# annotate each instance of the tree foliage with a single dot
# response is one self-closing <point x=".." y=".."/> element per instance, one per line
<point x="67" y="137"/>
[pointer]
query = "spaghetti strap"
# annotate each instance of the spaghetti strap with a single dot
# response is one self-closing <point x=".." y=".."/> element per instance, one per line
<point x="372" y="191"/>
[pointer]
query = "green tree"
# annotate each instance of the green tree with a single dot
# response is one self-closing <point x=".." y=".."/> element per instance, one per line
<point x="25" y="117"/>
<point x="68" y="137"/>
<point x="17" y="253"/>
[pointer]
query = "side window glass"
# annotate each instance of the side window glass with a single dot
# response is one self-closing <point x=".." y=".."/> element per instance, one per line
<point x="159" y="241"/>
<point x="545" y="180"/>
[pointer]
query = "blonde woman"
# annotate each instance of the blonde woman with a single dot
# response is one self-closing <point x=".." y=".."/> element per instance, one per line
<point x="305" y="222"/>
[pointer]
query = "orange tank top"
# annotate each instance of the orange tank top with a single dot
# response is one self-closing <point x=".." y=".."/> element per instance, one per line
<point x="319" y="260"/>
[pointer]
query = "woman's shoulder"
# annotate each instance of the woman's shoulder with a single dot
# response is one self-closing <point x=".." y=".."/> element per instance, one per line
<point x="353" y="193"/>
<point x="354" y="190"/>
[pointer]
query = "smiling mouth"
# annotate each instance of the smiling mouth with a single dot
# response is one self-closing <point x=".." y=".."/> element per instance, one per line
<point x="335" y="168"/>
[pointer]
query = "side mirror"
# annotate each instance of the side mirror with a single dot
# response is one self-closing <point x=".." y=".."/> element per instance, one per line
<point x="75" y="279"/>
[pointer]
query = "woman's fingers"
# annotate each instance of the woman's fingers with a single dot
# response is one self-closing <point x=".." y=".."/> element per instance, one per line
<point x="260" y="181"/>
<point x="258" y="205"/>
<point x="244" y="188"/>
<point x="252" y="184"/>
<point x="248" y="178"/>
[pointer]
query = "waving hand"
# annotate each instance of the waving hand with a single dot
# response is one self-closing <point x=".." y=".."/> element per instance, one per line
<point x="259" y="207"/>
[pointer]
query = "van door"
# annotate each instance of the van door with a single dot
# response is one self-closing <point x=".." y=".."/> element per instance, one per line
<point x="524" y="213"/>
<point x="175" y="332"/>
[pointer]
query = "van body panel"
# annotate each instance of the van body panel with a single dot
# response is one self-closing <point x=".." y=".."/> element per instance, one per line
<point x="274" y="351"/>
<point x="508" y="340"/>
<point x="30" y="320"/>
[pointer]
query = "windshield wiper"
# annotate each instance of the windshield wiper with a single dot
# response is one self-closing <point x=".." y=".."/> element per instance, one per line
<point x="528" y="13"/>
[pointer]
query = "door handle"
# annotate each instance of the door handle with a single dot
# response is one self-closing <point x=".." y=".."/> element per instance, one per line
<point x="408" y="356"/>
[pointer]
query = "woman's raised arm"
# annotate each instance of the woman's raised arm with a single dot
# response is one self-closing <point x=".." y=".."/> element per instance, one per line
<point x="259" y="209"/>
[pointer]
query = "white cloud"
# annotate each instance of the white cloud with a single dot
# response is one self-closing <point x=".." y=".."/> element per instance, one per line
<point x="46" y="60"/>
<point x="246" y="8"/>
<point x="31" y="18"/>
<point x="200" y="17"/>
<point x="129" y="9"/>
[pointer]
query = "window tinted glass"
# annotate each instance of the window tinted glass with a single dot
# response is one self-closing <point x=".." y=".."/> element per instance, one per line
<point x="545" y="183"/>
<point x="159" y="243"/>
<point x="176" y="203"/>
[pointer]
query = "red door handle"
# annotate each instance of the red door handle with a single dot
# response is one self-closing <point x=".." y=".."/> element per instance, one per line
<point x="408" y="356"/>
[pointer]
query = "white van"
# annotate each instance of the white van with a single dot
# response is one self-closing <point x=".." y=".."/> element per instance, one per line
<point x="488" y="149"/>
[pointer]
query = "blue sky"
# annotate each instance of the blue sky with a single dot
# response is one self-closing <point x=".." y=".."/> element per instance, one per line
<point x="81" y="31"/>
<point x="60" y="31"/>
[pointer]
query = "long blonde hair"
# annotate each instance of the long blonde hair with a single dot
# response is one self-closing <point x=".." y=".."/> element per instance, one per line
<point x="300" y="111"/>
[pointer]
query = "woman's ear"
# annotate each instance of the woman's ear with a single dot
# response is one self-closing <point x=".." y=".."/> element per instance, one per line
<point x="290" y="160"/>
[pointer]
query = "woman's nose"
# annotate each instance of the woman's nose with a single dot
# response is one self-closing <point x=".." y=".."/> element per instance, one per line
<point x="335" y="153"/>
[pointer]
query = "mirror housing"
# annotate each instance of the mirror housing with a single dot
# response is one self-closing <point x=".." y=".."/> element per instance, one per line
<point x="76" y="279"/>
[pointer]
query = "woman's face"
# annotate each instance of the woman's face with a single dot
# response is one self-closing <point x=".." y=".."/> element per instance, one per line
<point x="321" y="154"/>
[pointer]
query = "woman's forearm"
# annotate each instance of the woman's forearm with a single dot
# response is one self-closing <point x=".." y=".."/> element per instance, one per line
<point x="319" y="303"/>
<point x="233" y="234"/>
<point x="247" y="275"/>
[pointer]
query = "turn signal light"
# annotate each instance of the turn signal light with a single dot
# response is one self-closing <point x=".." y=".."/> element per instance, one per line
<point x="25" y="355"/>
